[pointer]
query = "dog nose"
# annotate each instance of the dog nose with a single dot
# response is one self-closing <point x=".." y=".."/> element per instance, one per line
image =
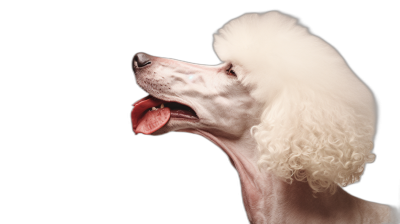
<point x="141" y="60"/>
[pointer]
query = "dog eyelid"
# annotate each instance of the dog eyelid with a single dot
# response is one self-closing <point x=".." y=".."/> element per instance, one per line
<point x="230" y="71"/>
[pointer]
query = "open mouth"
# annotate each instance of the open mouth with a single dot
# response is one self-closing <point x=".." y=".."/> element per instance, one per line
<point x="150" y="114"/>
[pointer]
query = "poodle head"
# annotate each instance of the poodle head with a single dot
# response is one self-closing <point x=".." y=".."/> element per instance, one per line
<point x="318" y="119"/>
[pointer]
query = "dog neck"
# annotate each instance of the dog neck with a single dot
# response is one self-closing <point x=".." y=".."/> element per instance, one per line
<point x="268" y="199"/>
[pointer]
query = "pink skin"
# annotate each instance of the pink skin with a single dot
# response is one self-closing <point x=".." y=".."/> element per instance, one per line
<point x="226" y="114"/>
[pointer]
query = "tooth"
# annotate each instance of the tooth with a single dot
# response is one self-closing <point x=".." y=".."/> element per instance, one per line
<point x="162" y="105"/>
<point x="154" y="108"/>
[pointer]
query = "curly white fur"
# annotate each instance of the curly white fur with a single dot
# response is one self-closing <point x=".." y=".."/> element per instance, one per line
<point x="319" y="119"/>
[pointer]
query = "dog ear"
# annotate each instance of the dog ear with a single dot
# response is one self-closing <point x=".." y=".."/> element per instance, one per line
<point x="315" y="137"/>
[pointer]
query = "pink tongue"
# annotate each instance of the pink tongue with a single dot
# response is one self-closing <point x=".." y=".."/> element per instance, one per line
<point x="153" y="120"/>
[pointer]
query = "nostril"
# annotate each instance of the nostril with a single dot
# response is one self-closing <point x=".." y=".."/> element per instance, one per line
<point x="141" y="60"/>
<point x="145" y="63"/>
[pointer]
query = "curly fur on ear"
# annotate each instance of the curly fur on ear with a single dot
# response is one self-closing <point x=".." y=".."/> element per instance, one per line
<point x="315" y="139"/>
<point x="319" y="119"/>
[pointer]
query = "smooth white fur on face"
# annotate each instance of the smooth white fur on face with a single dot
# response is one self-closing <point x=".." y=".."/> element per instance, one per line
<point x="224" y="106"/>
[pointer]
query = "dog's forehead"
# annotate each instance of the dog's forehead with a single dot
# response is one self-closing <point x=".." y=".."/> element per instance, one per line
<point x="189" y="66"/>
<point x="217" y="72"/>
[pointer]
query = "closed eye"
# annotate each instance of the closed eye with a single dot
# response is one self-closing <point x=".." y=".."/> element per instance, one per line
<point x="230" y="71"/>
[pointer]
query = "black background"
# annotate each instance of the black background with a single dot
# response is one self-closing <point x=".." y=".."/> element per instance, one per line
<point x="103" y="172"/>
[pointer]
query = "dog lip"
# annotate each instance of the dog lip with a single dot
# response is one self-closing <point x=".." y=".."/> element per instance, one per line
<point x="178" y="102"/>
<point x="166" y="101"/>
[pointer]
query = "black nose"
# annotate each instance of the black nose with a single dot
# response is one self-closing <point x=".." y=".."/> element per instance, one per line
<point x="140" y="60"/>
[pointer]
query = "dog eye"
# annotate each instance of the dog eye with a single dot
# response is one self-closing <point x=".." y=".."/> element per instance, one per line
<point x="231" y="72"/>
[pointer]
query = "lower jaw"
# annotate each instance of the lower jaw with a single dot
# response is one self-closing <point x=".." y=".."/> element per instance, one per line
<point x="183" y="117"/>
<point x="177" y="124"/>
<point x="180" y="118"/>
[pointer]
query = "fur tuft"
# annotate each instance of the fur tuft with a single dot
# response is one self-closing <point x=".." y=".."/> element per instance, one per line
<point x="318" y="120"/>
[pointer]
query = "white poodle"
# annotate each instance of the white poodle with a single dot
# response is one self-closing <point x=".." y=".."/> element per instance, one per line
<point x="293" y="118"/>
